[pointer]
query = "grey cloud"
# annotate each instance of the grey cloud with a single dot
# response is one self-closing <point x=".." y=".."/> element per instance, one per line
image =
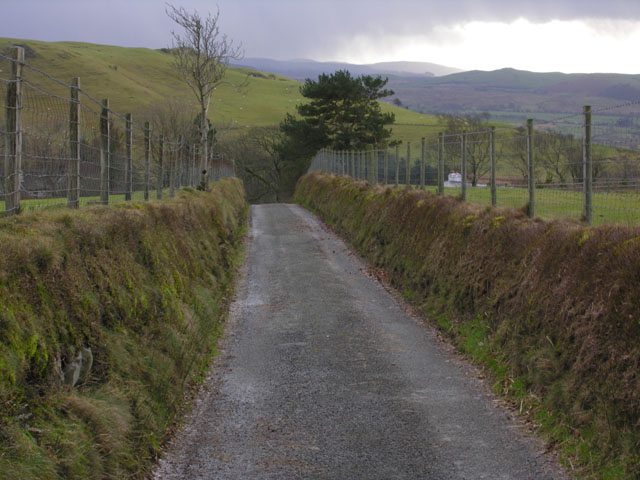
<point x="295" y="28"/>
<point x="288" y="28"/>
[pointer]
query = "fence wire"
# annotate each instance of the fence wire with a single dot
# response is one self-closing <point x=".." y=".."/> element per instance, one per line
<point x="113" y="165"/>
<point x="541" y="170"/>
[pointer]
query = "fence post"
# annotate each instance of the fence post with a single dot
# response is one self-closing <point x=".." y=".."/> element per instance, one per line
<point x="353" y="163"/>
<point x="73" y="181"/>
<point x="530" y="166"/>
<point x="180" y="162"/>
<point x="128" y="167"/>
<point x="463" y="155"/>
<point x="422" y="159"/>
<point x="441" y="163"/>
<point x="160" y="174"/>
<point x="13" y="147"/>
<point x="367" y="163"/>
<point x="105" y="154"/>
<point x="386" y="166"/>
<point x="407" y="164"/>
<point x="397" y="165"/>
<point x="492" y="159"/>
<point x="147" y="159"/>
<point x="172" y="171"/>
<point x="376" y="165"/>
<point x="587" y="167"/>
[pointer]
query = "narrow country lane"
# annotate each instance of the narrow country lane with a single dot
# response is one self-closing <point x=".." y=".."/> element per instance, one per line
<point x="324" y="375"/>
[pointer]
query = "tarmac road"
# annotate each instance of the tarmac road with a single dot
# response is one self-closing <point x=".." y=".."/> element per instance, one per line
<point x="323" y="374"/>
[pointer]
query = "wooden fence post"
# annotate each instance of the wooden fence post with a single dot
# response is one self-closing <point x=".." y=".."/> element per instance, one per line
<point x="463" y="161"/>
<point x="368" y="163"/>
<point x="73" y="179"/>
<point x="441" y="163"/>
<point x="397" y="165"/>
<point x="422" y="158"/>
<point x="172" y="171"/>
<point x="147" y="159"/>
<point x="352" y="156"/>
<point x="128" y="167"/>
<point x="386" y="166"/>
<point x="407" y="167"/>
<point x="192" y="166"/>
<point x="105" y="154"/>
<point x="531" y="166"/>
<point x="587" y="168"/>
<point x="13" y="146"/>
<point x="376" y="165"/>
<point x="492" y="159"/>
<point x="181" y="146"/>
<point x="160" y="173"/>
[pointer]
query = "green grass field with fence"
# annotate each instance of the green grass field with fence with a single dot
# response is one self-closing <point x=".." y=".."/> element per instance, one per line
<point x="588" y="170"/>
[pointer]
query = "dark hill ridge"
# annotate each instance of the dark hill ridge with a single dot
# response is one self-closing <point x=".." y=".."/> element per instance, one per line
<point x="512" y="95"/>
<point x="598" y="84"/>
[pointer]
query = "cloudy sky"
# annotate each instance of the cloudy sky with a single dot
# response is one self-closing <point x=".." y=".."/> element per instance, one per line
<point x="541" y="35"/>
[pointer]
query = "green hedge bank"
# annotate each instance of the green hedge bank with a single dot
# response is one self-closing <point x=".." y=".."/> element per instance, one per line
<point x="135" y="296"/>
<point x="552" y="309"/>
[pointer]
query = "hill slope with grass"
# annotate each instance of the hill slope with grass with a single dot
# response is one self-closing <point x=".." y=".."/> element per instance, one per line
<point x="514" y="95"/>
<point x="136" y="79"/>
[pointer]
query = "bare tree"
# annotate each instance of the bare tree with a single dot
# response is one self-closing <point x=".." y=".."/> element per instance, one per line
<point x="554" y="148"/>
<point x="202" y="54"/>
<point x="259" y="163"/>
<point x="477" y="146"/>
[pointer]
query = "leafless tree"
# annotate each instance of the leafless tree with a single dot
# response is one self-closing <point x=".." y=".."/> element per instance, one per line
<point x="258" y="162"/>
<point x="202" y="54"/>
<point x="477" y="145"/>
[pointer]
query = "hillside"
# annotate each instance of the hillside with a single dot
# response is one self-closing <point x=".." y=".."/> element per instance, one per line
<point x="514" y="95"/>
<point x="135" y="79"/>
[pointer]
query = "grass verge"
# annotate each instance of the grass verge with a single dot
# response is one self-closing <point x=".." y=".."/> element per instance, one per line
<point x="144" y="286"/>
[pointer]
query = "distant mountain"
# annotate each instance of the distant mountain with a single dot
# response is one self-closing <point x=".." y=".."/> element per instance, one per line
<point x="598" y="84"/>
<point x="301" y="69"/>
<point x="513" y="95"/>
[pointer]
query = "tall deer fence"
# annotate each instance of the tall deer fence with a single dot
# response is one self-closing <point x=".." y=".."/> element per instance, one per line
<point x="61" y="146"/>
<point x="584" y="166"/>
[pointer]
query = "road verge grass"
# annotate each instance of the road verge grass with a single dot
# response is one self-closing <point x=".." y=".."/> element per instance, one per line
<point x="550" y="309"/>
<point x="144" y="288"/>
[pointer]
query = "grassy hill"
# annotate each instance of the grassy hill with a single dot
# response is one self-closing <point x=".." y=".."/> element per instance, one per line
<point x="135" y="79"/>
<point x="512" y="96"/>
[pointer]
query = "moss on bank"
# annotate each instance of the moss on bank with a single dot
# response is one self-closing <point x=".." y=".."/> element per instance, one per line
<point x="144" y="286"/>
<point x="551" y="309"/>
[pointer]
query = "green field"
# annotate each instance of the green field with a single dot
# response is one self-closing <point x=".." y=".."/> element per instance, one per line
<point x="46" y="203"/>
<point x="559" y="203"/>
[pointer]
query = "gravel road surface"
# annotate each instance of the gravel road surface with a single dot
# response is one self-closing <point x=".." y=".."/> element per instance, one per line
<point x="323" y="374"/>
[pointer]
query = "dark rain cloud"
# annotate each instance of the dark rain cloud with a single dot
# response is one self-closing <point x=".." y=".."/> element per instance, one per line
<point x="290" y="28"/>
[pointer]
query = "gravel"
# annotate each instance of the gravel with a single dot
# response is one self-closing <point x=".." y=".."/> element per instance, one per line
<point x="323" y="373"/>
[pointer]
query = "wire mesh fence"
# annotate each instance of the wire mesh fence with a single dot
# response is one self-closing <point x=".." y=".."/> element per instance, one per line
<point x="584" y="166"/>
<point x="62" y="147"/>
